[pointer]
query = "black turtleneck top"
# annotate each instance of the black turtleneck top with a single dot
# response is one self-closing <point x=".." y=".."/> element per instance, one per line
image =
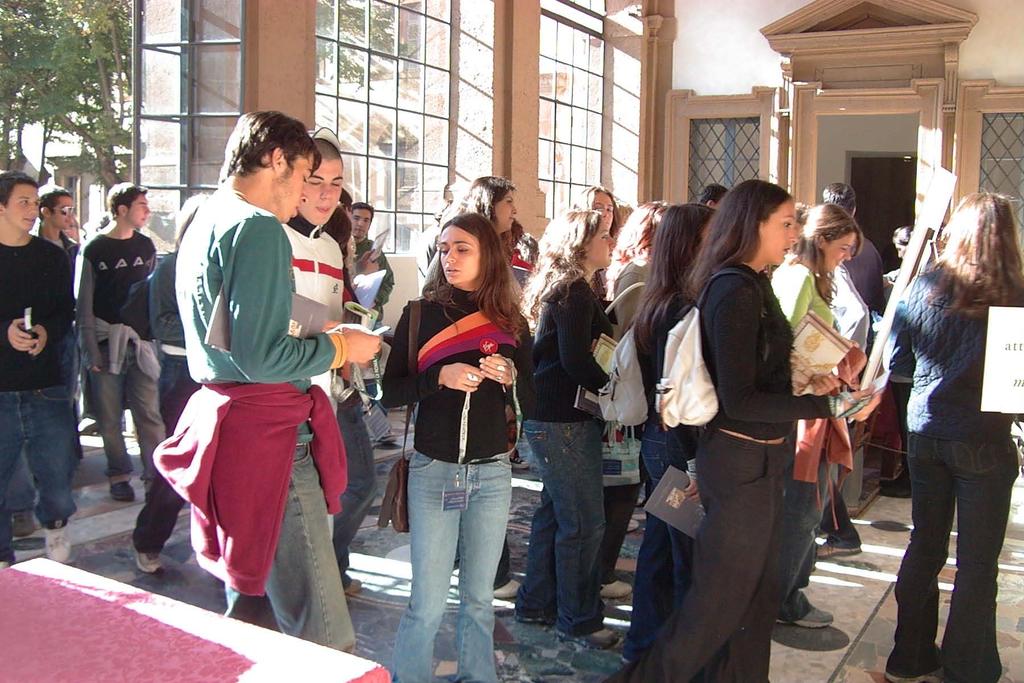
<point x="571" y="319"/>
<point x="440" y="408"/>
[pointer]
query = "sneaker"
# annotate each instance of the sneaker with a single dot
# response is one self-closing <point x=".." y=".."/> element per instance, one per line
<point x="148" y="563"/>
<point x="508" y="591"/>
<point x="353" y="587"/>
<point x="23" y="523"/>
<point x="58" y="546"/>
<point x="816" y="618"/>
<point x="517" y="462"/>
<point x="830" y="549"/>
<point x="5" y="565"/>
<point x="933" y="677"/>
<point x="616" y="590"/>
<point x="598" y="640"/>
<point x="122" y="492"/>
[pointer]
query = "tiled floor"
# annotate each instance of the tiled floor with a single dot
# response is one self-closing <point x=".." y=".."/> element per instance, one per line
<point x="859" y="590"/>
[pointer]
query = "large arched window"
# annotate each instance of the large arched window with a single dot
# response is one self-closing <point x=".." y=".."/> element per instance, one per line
<point x="571" y="99"/>
<point x="382" y="81"/>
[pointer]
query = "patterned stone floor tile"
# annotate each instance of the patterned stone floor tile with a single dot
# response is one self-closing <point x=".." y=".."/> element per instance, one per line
<point x="857" y="589"/>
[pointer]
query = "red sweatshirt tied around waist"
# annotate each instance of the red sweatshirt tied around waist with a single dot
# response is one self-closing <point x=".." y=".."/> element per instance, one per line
<point x="231" y="458"/>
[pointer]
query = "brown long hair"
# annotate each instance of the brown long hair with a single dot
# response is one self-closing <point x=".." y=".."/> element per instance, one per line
<point x="676" y="244"/>
<point x="734" y="235"/>
<point x="498" y="294"/>
<point x="585" y="202"/>
<point x="635" y="240"/>
<point x="980" y="266"/>
<point x="563" y="249"/>
<point x="827" y="222"/>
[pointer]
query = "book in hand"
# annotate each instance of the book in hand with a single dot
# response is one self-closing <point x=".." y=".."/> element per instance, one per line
<point x="670" y="504"/>
<point x="817" y="350"/>
<point x="604" y="352"/>
<point x="588" y="402"/>
<point x="307" y="318"/>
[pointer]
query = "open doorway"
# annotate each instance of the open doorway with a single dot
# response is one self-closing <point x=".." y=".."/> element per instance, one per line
<point x="877" y="155"/>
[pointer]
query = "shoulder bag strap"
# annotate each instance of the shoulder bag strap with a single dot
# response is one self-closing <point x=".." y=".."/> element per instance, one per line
<point x="414" y="335"/>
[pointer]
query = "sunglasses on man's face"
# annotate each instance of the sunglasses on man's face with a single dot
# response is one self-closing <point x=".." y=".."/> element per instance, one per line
<point x="67" y="210"/>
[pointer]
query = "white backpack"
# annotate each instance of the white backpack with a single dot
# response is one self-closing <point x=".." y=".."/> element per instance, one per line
<point x="623" y="399"/>
<point x="685" y="395"/>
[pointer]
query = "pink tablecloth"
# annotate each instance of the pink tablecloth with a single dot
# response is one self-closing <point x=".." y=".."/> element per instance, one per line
<point x="58" y="623"/>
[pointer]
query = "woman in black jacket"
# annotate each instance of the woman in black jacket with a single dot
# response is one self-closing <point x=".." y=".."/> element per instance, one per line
<point x="473" y="373"/>
<point x="723" y="628"/>
<point x="960" y="457"/>
<point x="562" y="583"/>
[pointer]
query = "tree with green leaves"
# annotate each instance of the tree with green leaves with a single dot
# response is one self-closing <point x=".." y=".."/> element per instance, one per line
<point x="67" y="68"/>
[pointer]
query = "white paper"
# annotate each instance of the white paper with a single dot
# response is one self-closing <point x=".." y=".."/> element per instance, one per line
<point x="367" y="285"/>
<point x="1002" y="389"/>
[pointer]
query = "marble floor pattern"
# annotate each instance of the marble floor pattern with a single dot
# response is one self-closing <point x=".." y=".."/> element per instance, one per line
<point x="858" y="589"/>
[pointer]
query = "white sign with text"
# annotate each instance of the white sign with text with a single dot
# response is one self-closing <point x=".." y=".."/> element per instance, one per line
<point x="1002" y="390"/>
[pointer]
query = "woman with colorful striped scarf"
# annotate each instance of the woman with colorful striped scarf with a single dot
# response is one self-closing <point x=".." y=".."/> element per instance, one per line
<point x="473" y="375"/>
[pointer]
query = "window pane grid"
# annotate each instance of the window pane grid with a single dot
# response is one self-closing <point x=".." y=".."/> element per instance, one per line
<point x="1002" y="157"/>
<point x="571" y="110"/>
<point x="383" y="83"/>
<point x="190" y="80"/>
<point x="724" y="151"/>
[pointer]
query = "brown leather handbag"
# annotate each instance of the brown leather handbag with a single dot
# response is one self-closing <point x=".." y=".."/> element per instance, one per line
<point x="394" y="508"/>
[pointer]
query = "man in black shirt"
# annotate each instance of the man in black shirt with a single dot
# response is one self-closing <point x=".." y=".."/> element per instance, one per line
<point x="121" y="365"/>
<point x="35" y="414"/>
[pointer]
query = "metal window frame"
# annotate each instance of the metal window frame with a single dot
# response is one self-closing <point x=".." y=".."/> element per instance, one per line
<point x="729" y="159"/>
<point x="336" y="42"/>
<point x="186" y="116"/>
<point x="549" y="176"/>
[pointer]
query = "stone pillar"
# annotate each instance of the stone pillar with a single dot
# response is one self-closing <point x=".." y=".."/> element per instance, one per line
<point x="517" y="105"/>
<point x="659" y="29"/>
<point x="280" y="57"/>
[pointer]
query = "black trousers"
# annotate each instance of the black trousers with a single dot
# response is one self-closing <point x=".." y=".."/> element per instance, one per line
<point x="156" y="520"/>
<point x="619" y="503"/>
<point x="722" y="631"/>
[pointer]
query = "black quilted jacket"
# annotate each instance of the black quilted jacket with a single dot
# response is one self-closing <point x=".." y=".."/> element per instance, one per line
<point x="947" y="353"/>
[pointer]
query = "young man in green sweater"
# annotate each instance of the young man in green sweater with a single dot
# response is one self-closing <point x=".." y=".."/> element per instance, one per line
<point x="368" y="259"/>
<point x="236" y="250"/>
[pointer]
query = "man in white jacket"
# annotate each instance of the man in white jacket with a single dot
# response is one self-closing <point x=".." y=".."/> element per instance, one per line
<point x="318" y="264"/>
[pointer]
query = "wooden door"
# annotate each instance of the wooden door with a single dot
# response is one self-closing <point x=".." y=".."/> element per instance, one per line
<point x="886" y="188"/>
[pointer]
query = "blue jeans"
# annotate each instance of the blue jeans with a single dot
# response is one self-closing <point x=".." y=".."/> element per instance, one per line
<point x="304" y="595"/>
<point x="362" y="481"/>
<point x="664" y="563"/>
<point x="21" y="492"/>
<point x="434" y="535"/>
<point x="801" y="517"/>
<point x="976" y="481"/>
<point x="562" y="570"/>
<point x="109" y="394"/>
<point x="39" y="423"/>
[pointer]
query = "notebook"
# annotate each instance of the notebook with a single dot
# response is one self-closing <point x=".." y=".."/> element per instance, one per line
<point x="670" y="504"/>
<point x="817" y="350"/>
<point x="307" y="318"/>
